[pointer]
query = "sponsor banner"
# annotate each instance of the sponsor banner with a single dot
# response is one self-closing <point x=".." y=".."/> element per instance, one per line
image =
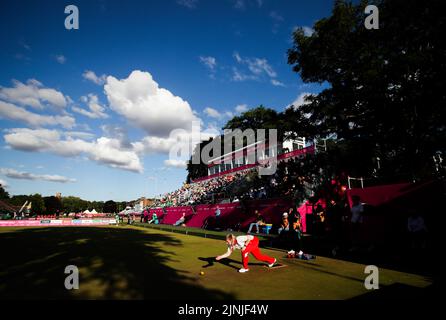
<point x="56" y="223"/>
<point x="19" y="223"/>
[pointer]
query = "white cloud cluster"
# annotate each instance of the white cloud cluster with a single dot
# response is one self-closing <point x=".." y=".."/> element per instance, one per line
<point x="96" y="110"/>
<point x="91" y="76"/>
<point x="60" y="58"/>
<point x="275" y="16"/>
<point x="32" y="94"/>
<point x="188" y="3"/>
<point x="175" y="163"/>
<point x="308" y="31"/>
<point x="277" y="83"/>
<point x="300" y="100"/>
<point x="177" y="140"/>
<point x="210" y="62"/>
<point x="213" y="113"/>
<point x="14" y="174"/>
<point x="144" y="104"/>
<point x="241" y="108"/>
<point x="102" y="150"/>
<point x="12" y="112"/>
<point x="256" y="68"/>
<point x="168" y="120"/>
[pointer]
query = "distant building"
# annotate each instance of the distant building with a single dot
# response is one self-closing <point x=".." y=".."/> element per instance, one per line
<point x="141" y="203"/>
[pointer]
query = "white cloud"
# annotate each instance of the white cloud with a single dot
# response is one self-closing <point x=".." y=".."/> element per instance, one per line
<point x="239" y="4"/>
<point x="90" y="75"/>
<point x="209" y="62"/>
<point x="60" y="58"/>
<point x="179" y="140"/>
<point x="102" y="150"/>
<point x="12" y="112"/>
<point x="241" y="108"/>
<point x="277" y="83"/>
<point x="239" y="76"/>
<point x="211" y="112"/>
<point x="300" y="100"/>
<point x="188" y="3"/>
<point x="14" y="174"/>
<point x="32" y="94"/>
<point x="308" y="31"/>
<point x="175" y="163"/>
<point x="275" y="16"/>
<point x="144" y="104"/>
<point x="96" y="110"/>
<point x="229" y="114"/>
<point x="257" y="68"/>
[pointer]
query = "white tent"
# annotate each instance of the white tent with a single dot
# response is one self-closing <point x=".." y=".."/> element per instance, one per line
<point x="93" y="211"/>
<point x="87" y="211"/>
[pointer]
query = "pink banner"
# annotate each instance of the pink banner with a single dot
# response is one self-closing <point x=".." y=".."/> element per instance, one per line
<point x="56" y="223"/>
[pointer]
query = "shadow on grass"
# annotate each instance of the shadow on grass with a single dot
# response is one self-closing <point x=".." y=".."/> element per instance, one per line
<point x="114" y="263"/>
<point x="397" y="291"/>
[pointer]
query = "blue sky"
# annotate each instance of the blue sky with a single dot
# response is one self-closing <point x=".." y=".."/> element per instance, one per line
<point x="89" y="112"/>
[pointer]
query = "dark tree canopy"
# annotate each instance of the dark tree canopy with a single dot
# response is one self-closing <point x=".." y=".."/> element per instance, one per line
<point x="110" y="206"/>
<point x="386" y="86"/>
<point x="3" y="193"/>
<point x="53" y="204"/>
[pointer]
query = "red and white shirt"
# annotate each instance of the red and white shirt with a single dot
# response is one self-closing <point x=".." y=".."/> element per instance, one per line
<point x="240" y="243"/>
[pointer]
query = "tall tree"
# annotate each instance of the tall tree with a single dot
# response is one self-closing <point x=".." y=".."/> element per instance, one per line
<point x="386" y="86"/>
<point x="53" y="205"/>
<point x="3" y="193"/>
<point x="37" y="204"/>
<point x="110" y="207"/>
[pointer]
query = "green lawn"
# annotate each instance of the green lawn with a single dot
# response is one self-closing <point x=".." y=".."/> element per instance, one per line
<point x="127" y="262"/>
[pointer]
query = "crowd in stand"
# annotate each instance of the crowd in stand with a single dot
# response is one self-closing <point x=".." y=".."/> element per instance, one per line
<point x="200" y="192"/>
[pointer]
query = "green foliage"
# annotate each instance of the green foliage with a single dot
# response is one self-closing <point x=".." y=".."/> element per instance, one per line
<point x="52" y="204"/>
<point x="110" y="206"/>
<point x="386" y="86"/>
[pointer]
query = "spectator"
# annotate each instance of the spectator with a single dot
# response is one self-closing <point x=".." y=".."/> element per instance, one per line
<point x="217" y="212"/>
<point x="294" y="215"/>
<point x="285" y="225"/>
<point x="356" y="220"/>
<point x="295" y="236"/>
<point x="154" y="219"/>
<point x="260" y="221"/>
<point x="181" y="220"/>
<point x="417" y="231"/>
